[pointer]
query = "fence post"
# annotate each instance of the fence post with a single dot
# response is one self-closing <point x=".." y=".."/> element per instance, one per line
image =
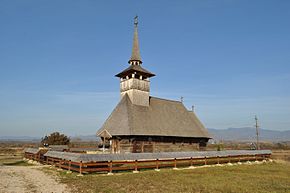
<point x="80" y="169"/>
<point x="175" y="164"/>
<point x="157" y="165"/>
<point x="69" y="165"/>
<point x="191" y="163"/>
<point x="136" y="167"/>
<point x="59" y="164"/>
<point x="110" y="168"/>
<point x="230" y="160"/>
<point x="257" y="157"/>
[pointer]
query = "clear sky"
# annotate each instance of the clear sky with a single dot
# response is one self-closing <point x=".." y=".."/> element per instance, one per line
<point x="230" y="58"/>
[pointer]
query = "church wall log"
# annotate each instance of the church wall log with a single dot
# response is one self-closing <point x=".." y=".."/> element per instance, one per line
<point x="143" y="145"/>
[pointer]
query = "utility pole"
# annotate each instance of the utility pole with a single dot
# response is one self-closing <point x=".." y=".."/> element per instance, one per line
<point x="257" y="132"/>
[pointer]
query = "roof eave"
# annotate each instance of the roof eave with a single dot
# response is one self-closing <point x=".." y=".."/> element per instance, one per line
<point x="121" y="74"/>
<point x="196" y="137"/>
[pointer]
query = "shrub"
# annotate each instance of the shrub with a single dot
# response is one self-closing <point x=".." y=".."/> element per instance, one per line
<point x="55" y="139"/>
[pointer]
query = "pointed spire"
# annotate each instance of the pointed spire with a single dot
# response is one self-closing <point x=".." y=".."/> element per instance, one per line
<point x="135" y="57"/>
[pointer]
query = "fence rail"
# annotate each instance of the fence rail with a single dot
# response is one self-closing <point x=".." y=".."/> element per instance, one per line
<point x="109" y="166"/>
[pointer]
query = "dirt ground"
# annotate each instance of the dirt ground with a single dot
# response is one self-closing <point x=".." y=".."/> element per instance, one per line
<point x="18" y="179"/>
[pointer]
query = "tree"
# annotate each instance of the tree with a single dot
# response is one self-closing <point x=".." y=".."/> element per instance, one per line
<point x="55" y="139"/>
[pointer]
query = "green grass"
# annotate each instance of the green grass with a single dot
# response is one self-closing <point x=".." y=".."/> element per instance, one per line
<point x="270" y="177"/>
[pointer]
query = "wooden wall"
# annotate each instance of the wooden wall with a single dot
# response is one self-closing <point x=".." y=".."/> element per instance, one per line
<point x="140" y="145"/>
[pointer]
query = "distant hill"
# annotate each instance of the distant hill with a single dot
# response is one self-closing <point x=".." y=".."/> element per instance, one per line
<point x="37" y="139"/>
<point x="86" y="138"/>
<point x="249" y="134"/>
<point x="19" y="138"/>
<point x="237" y="134"/>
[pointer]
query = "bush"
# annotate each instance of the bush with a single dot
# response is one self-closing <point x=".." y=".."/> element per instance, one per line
<point x="55" y="139"/>
<point x="220" y="147"/>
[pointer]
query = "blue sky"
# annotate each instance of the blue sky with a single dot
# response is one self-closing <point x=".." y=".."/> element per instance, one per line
<point x="230" y="58"/>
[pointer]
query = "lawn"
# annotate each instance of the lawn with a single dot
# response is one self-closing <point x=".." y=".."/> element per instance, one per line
<point x="269" y="177"/>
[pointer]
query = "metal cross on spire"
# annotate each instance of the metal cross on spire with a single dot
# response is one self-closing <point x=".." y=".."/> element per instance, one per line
<point x="136" y="20"/>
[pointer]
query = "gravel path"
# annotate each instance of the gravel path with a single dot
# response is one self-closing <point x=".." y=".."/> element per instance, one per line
<point x="18" y="179"/>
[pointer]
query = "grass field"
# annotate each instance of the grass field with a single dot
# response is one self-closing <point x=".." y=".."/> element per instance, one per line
<point x="256" y="178"/>
<point x="12" y="156"/>
<point x="269" y="177"/>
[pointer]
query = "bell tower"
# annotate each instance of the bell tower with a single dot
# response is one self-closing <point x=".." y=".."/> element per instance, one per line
<point x="134" y="80"/>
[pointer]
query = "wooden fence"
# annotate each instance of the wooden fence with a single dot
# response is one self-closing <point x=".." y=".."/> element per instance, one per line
<point x="111" y="166"/>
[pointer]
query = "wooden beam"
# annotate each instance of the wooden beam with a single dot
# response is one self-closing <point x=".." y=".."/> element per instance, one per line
<point x="157" y="164"/>
<point x="175" y="163"/>
<point x="69" y="165"/>
<point x="81" y="164"/>
<point x="111" y="167"/>
<point x="136" y="165"/>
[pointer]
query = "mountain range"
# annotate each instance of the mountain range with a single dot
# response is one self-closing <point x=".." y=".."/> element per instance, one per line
<point x="249" y="134"/>
<point x="235" y="134"/>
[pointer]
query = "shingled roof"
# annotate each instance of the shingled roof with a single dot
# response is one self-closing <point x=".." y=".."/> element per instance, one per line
<point x="86" y="158"/>
<point x="135" y="68"/>
<point x="161" y="118"/>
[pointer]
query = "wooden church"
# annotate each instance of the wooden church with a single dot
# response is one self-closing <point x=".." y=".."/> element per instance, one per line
<point x="143" y="123"/>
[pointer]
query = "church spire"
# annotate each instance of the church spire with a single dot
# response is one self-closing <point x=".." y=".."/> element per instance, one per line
<point x="135" y="57"/>
<point x="134" y="80"/>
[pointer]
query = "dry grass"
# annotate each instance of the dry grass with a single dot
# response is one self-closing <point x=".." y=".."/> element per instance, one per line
<point x="281" y="155"/>
<point x="269" y="177"/>
<point x="13" y="160"/>
<point x="12" y="154"/>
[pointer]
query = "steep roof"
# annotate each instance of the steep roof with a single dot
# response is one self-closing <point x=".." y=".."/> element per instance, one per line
<point x="135" y="48"/>
<point x="162" y="118"/>
<point x="135" y="60"/>
<point x="135" y="68"/>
